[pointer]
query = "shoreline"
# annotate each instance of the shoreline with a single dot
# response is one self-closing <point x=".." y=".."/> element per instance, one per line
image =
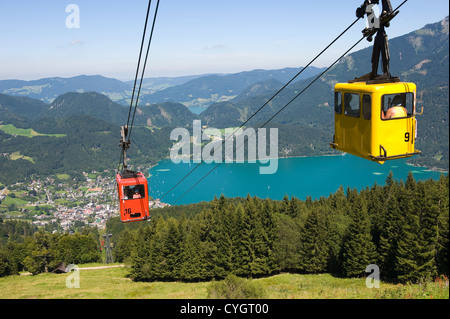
<point x="297" y="177"/>
<point x="429" y="169"/>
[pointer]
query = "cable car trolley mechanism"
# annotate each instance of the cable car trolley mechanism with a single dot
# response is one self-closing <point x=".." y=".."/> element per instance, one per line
<point x="375" y="114"/>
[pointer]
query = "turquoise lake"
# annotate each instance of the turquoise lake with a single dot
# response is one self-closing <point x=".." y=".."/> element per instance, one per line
<point x="299" y="177"/>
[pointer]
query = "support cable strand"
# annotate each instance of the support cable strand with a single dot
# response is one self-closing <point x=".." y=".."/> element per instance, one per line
<point x="265" y="104"/>
<point x="278" y="112"/>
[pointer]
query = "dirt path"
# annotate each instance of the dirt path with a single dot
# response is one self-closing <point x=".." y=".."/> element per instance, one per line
<point x="84" y="268"/>
<point x="101" y="267"/>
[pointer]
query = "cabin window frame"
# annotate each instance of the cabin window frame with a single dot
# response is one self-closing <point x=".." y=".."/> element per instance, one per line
<point x="367" y="107"/>
<point x="352" y="112"/>
<point x="338" y="102"/>
<point x="409" y="102"/>
<point x="129" y="190"/>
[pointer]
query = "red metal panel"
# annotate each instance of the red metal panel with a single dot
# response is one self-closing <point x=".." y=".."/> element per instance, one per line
<point x="133" y="197"/>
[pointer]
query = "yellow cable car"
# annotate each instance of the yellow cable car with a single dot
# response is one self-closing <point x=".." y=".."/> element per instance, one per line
<point x="375" y="114"/>
<point x="375" y="121"/>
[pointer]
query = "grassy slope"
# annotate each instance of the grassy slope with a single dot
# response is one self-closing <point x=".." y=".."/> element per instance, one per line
<point x="112" y="283"/>
<point x="12" y="130"/>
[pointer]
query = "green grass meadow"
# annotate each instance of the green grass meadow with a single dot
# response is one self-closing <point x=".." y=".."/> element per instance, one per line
<point x="12" y="130"/>
<point x="112" y="283"/>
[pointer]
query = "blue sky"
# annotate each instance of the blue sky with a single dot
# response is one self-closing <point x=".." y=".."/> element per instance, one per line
<point x="191" y="37"/>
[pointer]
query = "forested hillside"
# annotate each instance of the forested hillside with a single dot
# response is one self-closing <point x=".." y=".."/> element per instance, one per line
<point x="84" y="143"/>
<point x="90" y="103"/>
<point x="402" y="227"/>
<point x="19" y="108"/>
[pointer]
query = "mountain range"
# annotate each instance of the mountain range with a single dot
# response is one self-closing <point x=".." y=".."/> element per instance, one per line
<point x="194" y="90"/>
<point x="48" y="89"/>
<point x="99" y="105"/>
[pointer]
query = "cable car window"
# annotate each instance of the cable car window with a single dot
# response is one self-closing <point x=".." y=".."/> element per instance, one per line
<point x="338" y="102"/>
<point x="397" y="105"/>
<point x="351" y="104"/>
<point x="367" y="107"/>
<point x="134" y="191"/>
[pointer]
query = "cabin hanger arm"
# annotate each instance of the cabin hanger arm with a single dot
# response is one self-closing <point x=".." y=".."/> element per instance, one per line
<point x="124" y="144"/>
<point x="380" y="47"/>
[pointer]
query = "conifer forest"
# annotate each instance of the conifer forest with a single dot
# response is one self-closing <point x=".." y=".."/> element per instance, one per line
<point x="402" y="227"/>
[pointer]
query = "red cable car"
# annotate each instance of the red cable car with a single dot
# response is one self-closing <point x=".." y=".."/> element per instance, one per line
<point x="132" y="188"/>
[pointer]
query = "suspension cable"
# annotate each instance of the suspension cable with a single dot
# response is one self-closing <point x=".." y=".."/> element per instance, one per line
<point x="265" y="104"/>
<point x="139" y="61"/>
<point x="128" y="127"/>
<point x="295" y="97"/>
<point x="278" y="112"/>
<point x="143" y="69"/>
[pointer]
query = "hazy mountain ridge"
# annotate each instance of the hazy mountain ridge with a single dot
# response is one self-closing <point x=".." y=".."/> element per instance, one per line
<point x="190" y="90"/>
<point x="205" y="90"/>
<point x="48" y="89"/>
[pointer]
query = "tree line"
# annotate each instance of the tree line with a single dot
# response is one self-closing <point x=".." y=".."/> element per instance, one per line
<point x="24" y="248"/>
<point x="402" y="227"/>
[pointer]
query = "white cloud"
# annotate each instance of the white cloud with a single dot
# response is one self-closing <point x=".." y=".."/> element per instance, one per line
<point x="76" y="42"/>
<point x="213" y="47"/>
<point x="71" y="44"/>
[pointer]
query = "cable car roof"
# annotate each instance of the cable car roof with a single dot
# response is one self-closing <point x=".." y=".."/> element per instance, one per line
<point x="396" y="87"/>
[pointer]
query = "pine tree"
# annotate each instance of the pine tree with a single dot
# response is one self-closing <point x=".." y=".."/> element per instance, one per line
<point x="147" y="256"/>
<point x="256" y="234"/>
<point x="208" y="238"/>
<point x="284" y="205"/>
<point x="443" y="225"/>
<point x="428" y="231"/>
<point x="390" y="230"/>
<point x="269" y="225"/>
<point x="314" y="244"/>
<point x="287" y="245"/>
<point x="308" y="202"/>
<point x="222" y="204"/>
<point x="242" y="249"/>
<point x="338" y="200"/>
<point x="191" y="254"/>
<point x="376" y="208"/>
<point x="171" y="250"/>
<point x="223" y="227"/>
<point x="124" y="246"/>
<point x="358" y="250"/>
<point x="419" y="241"/>
<point x="408" y="245"/>
<point x="293" y="208"/>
